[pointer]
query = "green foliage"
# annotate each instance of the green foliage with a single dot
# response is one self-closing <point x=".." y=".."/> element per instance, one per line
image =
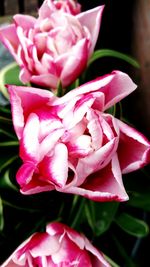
<point x="9" y="142"/>
<point x="100" y="215"/>
<point x="112" y="53"/>
<point x="140" y="200"/>
<point x="132" y="225"/>
<point x="9" y="75"/>
<point x="5" y="181"/>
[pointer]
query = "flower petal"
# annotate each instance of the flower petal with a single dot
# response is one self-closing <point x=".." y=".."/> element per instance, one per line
<point x="25" y="173"/>
<point x="76" y="62"/>
<point x="119" y="87"/>
<point x="55" y="168"/>
<point x="46" y="9"/>
<point x="9" y="38"/>
<point x="104" y="185"/>
<point x="49" y="80"/>
<point x="25" y="100"/>
<point x="42" y="244"/>
<point x="26" y="22"/>
<point x="96" y="256"/>
<point x="133" y="150"/>
<point x="91" y="19"/>
<point x="96" y="161"/>
<point x="29" y="144"/>
<point x="115" y="86"/>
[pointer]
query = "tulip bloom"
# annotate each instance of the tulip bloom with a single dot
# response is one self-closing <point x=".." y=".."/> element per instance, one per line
<point x="68" y="6"/>
<point x="71" y="144"/>
<point x="56" y="46"/>
<point x="58" y="246"/>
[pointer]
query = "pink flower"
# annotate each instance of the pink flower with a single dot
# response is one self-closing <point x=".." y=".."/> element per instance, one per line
<point x="71" y="144"/>
<point x="68" y="6"/>
<point x="54" y="47"/>
<point x="58" y="246"/>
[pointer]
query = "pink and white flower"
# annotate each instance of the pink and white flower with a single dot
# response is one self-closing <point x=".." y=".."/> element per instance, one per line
<point x="58" y="246"/>
<point x="56" y="46"/>
<point x="71" y="144"/>
<point x="68" y="6"/>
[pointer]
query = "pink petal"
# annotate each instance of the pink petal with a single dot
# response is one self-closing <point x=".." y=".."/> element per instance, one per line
<point x="68" y="6"/>
<point x="12" y="260"/>
<point x="48" y="80"/>
<point x="96" y="161"/>
<point x="75" y="132"/>
<point x="109" y="126"/>
<point x="48" y="143"/>
<point x="95" y="129"/>
<point x="55" y="228"/>
<point x="35" y="187"/>
<point x="9" y="33"/>
<point x="55" y="167"/>
<point x="25" y="44"/>
<point x="88" y="87"/>
<point x="92" y="20"/>
<point x="17" y="111"/>
<point x="76" y="62"/>
<point x="104" y="185"/>
<point x="24" y="75"/>
<point x="38" y="67"/>
<point x="46" y="9"/>
<point x="29" y="145"/>
<point x="40" y="43"/>
<point x="25" y="100"/>
<point x="81" y="147"/>
<point x="48" y="62"/>
<point x="97" y="256"/>
<point x="8" y="37"/>
<point x="133" y="150"/>
<point x="24" y="21"/>
<point x="25" y="173"/>
<point x="9" y="263"/>
<point x="71" y="253"/>
<point x="73" y="112"/>
<point x="31" y="181"/>
<point x="119" y="87"/>
<point x="115" y="86"/>
<point x="42" y="244"/>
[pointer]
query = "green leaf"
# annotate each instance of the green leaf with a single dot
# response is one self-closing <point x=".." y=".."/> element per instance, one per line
<point x="122" y="251"/>
<point x="7" y="160"/>
<point x="100" y="215"/>
<point x="112" y="53"/>
<point x="59" y="89"/>
<point x="5" y="120"/>
<point x="77" y="83"/>
<point x="9" y="143"/>
<point x="140" y="200"/>
<point x="90" y="216"/>
<point x="113" y="264"/>
<point x="9" y="75"/>
<point x="132" y="225"/>
<point x="7" y="134"/>
<point x="1" y="215"/>
<point x="112" y="110"/>
<point x="5" y="182"/>
<point x="78" y="216"/>
<point x="5" y="110"/>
